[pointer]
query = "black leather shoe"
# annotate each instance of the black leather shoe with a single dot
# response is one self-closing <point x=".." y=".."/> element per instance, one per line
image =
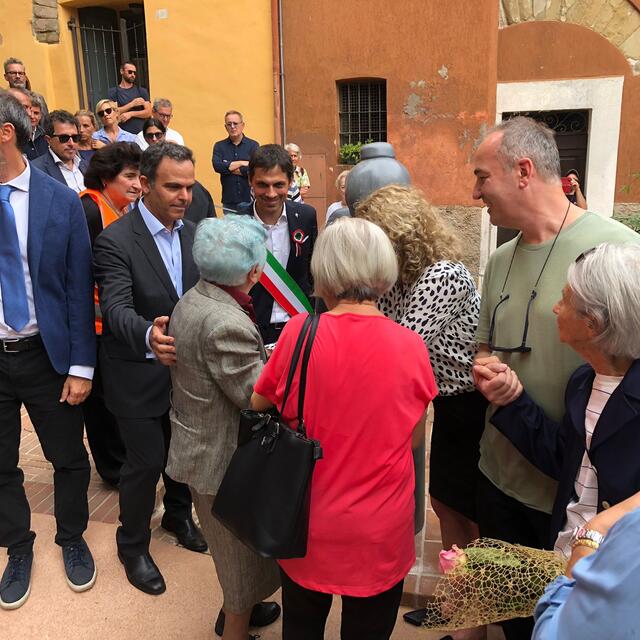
<point x="262" y="614"/>
<point x="143" y="573"/>
<point x="189" y="536"/>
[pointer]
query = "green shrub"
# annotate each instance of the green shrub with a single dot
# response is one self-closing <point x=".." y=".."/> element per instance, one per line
<point x="350" y="153"/>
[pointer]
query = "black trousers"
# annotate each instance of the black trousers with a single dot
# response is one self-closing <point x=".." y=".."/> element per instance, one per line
<point x="502" y="517"/>
<point x="147" y="444"/>
<point x="304" y="613"/>
<point x="28" y="378"/>
<point x="103" y="433"/>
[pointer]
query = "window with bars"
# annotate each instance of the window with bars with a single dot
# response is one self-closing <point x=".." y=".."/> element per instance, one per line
<point x="362" y="106"/>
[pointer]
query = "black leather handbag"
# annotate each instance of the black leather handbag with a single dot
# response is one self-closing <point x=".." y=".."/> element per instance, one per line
<point x="264" y="495"/>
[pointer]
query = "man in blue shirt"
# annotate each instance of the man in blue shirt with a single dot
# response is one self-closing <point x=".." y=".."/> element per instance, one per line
<point x="231" y="160"/>
<point x="133" y="101"/>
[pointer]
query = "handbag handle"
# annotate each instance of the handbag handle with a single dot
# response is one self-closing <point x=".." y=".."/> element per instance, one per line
<point x="303" y="374"/>
<point x="294" y="359"/>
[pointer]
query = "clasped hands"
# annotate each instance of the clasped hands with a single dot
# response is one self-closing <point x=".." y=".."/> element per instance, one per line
<point x="496" y="381"/>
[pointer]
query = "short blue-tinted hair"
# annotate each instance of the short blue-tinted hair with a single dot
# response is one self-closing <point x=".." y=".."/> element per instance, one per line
<point x="226" y="249"/>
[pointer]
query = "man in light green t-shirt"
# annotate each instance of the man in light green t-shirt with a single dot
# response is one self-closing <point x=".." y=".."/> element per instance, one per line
<point x="517" y="170"/>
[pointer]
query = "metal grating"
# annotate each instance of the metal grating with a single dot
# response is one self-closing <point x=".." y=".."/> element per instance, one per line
<point x="362" y="111"/>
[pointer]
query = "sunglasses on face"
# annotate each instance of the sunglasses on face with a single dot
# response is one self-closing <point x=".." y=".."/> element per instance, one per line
<point x="107" y="111"/>
<point x="65" y="137"/>
<point x="16" y="73"/>
<point x="154" y="136"/>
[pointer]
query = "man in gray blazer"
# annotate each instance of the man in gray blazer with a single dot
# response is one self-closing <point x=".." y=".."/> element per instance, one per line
<point x="143" y="265"/>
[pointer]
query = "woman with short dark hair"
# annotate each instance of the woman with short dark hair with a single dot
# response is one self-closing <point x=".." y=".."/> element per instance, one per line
<point x="112" y="183"/>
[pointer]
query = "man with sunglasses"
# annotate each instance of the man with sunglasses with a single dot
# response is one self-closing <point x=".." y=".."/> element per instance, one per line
<point x="63" y="162"/>
<point x="517" y="170"/>
<point x="133" y="102"/>
<point x="231" y="160"/>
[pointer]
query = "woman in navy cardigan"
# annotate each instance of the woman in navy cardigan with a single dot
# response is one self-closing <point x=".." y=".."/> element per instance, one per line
<point x="593" y="453"/>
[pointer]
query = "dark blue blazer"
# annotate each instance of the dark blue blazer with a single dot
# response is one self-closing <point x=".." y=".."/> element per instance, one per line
<point x="558" y="449"/>
<point x="59" y="256"/>
<point x="299" y="217"/>
<point x="46" y="163"/>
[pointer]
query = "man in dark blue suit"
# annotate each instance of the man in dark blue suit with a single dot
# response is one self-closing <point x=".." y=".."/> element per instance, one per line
<point x="47" y="354"/>
<point x="291" y="231"/>
<point x="62" y="161"/>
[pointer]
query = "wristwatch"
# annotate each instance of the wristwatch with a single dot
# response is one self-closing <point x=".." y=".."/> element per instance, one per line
<point x="588" y="537"/>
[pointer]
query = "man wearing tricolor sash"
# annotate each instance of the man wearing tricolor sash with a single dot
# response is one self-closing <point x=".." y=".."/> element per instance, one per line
<point x="291" y="228"/>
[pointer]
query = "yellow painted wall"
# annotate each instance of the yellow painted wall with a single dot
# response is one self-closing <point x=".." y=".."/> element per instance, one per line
<point x="206" y="56"/>
<point x="50" y="67"/>
<point x="209" y="56"/>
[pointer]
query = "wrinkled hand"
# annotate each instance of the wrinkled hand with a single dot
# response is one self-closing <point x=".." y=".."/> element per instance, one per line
<point x="162" y="344"/>
<point x="497" y="382"/>
<point x="138" y="102"/>
<point x="483" y="362"/>
<point x="124" y="117"/>
<point x="75" y="390"/>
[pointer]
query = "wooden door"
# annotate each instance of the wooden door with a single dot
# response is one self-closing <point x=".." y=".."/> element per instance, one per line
<point x="316" y="166"/>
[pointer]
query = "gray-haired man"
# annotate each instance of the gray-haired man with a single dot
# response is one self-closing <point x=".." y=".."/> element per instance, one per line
<point x="162" y="111"/>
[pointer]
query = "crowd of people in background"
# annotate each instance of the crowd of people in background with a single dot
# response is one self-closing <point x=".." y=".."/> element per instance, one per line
<point x="133" y="310"/>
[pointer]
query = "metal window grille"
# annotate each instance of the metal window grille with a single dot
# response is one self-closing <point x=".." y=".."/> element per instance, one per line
<point x="362" y="111"/>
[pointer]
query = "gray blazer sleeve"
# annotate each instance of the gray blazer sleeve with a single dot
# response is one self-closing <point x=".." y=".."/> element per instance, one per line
<point x="234" y="359"/>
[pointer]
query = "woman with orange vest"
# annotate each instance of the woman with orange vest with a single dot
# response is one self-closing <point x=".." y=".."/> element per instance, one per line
<point x="113" y="183"/>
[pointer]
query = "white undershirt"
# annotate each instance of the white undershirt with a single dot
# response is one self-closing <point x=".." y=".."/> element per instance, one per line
<point x="580" y="511"/>
<point x="279" y="245"/>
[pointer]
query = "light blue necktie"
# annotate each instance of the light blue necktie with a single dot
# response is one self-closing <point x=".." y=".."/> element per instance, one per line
<point x="14" y="290"/>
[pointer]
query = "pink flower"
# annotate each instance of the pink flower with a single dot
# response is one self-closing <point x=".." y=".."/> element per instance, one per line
<point x="451" y="559"/>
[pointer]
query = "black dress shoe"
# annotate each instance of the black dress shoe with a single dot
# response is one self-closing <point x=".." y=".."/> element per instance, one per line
<point x="189" y="536"/>
<point x="143" y="573"/>
<point x="262" y="614"/>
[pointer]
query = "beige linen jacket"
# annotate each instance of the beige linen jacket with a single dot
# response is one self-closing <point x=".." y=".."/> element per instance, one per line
<point x="219" y="358"/>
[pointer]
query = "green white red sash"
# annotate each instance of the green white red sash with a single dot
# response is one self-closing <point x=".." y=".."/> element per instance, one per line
<point x="284" y="288"/>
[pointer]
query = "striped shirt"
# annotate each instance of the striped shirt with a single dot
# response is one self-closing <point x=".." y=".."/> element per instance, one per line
<point x="585" y="505"/>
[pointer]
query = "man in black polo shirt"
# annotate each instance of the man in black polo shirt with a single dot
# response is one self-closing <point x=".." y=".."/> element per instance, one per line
<point x="133" y="101"/>
<point x="231" y="161"/>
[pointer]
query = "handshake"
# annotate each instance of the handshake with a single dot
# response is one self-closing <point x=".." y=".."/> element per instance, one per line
<point x="496" y="381"/>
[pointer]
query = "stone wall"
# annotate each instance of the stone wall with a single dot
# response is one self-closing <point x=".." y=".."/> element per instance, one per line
<point x="616" y="20"/>
<point x="45" y="21"/>
<point x="465" y="222"/>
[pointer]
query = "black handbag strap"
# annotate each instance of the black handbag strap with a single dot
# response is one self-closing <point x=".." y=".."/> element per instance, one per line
<point x="303" y="373"/>
<point x="294" y="359"/>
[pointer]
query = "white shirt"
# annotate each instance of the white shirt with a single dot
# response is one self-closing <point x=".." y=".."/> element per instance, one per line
<point x="170" y="136"/>
<point x="73" y="177"/>
<point x="580" y="511"/>
<point x="19" y="200"/>
<point x="279" y="245"/>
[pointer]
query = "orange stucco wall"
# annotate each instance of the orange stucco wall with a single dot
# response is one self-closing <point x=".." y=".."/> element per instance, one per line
<point x="536" y="51"/>
<point x="439" y="61"/>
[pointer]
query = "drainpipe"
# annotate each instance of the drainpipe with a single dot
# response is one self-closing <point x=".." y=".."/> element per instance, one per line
<point x="280" y="116"/>
<point x="76" y="58"/>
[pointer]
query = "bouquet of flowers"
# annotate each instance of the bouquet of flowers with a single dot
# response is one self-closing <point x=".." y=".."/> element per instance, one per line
<point x="490" y="581"/>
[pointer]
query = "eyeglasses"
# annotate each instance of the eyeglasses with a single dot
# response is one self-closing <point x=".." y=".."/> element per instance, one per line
<point x="154" y="136"/>
<point x="106" y="111"/>
<point x="65" y="137"/>
<point x="523" y="348"/>
<point x="164" y="116"/>
<point x="230" y="125"/>
<point x="584" y="254"/>
<point x="16" y="73"/>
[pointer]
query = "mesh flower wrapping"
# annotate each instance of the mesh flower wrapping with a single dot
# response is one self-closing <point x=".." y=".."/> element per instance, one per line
<point x="490" y="581"/>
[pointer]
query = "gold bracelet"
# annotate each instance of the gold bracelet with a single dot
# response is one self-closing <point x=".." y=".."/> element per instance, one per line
<point x="585" y="542"/>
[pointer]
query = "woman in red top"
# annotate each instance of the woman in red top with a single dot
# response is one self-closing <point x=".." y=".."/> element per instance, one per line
<point x="369" y="384"/>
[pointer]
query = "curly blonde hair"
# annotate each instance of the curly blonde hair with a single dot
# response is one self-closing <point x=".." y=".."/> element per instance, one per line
<point x="419" y="236"/>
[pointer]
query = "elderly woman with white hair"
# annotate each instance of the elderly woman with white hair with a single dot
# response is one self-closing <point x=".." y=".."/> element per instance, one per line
<point x="219" y="356"/>
<point x="593" y="453"/>
<point x="300" y="184"/>
<point x="369" y="383"/>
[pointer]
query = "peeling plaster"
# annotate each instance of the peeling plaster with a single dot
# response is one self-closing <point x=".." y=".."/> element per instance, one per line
<point x="443" y="72"/>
